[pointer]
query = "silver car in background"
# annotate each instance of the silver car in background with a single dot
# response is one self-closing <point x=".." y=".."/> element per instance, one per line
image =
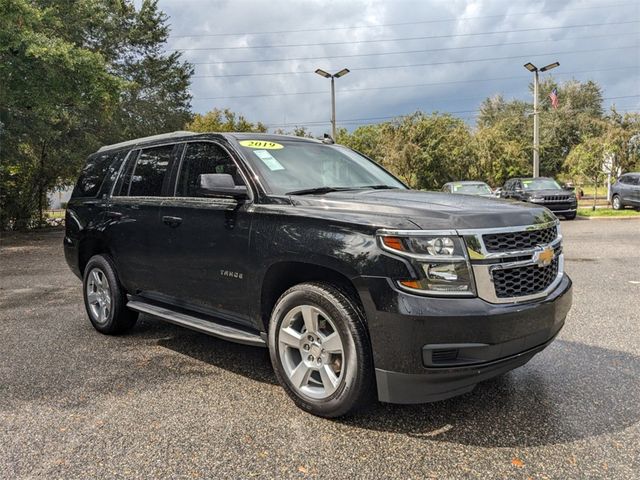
<point x="626" y="191"/>
<point x="469" y="188"/>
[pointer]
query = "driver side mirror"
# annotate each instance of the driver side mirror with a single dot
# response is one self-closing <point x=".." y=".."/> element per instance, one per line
<point x="221" y="185"/>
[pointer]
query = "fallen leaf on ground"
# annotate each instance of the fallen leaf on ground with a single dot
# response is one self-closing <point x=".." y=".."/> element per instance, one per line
<point x="516" y="462"/>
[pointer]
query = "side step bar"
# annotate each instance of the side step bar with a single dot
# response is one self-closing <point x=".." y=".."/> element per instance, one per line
<point x="195" y="323"/>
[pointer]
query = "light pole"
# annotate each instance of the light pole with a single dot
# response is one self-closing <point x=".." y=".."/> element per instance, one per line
<point x="536" y="125"/>
<point x="325" y="74"/>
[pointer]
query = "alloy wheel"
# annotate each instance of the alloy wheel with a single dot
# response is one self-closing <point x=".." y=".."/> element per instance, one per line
<point x="98" y="294"/>
<point x="311" y="352"/>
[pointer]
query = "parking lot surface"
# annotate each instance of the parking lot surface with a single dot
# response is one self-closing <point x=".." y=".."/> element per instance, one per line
<point x="164" y="401"/>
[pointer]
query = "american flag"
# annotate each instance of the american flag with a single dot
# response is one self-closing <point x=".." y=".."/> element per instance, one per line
<point x="553" y="96"/>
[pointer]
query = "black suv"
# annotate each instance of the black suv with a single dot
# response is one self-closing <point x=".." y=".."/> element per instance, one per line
<point x="355" y="283"/>
<point x="542" y="191"/>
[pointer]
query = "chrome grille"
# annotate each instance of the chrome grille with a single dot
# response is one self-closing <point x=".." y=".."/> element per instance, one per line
<point x="514" y="241"/>
<point x="526" y="280"/>
<point x="507" y="263"/>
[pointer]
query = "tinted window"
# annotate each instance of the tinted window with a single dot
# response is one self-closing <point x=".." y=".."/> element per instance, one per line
<point x="149" y="172"/>
<point x="634" y="180"/>
<point x="201" y="158"/>
<point x="93" y="174"/>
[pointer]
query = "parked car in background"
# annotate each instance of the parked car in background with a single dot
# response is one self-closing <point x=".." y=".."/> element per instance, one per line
<point x="542" y="191"/>
<point x="626" y="191"/>
<point x="468" y="188"/>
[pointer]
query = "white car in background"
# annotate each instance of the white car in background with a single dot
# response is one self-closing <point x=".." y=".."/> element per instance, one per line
<point x="469" y="188"/>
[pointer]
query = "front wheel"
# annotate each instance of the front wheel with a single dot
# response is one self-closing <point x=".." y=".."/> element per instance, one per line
<point x="571" y="216"/>
<point x="617" y="204"/>
<point x="320" y="350"/>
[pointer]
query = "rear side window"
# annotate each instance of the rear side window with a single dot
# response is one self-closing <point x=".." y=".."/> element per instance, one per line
<point x="93" y="174"/>
<point x="150" y="171"/>
<point x="201" y="158"/>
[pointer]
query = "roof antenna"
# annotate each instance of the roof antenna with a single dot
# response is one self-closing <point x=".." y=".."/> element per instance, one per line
<point x="327" y="139"/>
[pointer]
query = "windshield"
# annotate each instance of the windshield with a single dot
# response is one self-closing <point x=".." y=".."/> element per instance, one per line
<point x="290" y="166"/>
<point x="540" y="184"/>
<point x="472" y="188"/>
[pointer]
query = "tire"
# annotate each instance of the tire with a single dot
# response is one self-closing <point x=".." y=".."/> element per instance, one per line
<point x="617" y="203"/>
<point x="325" y="375"/>
<point x="571" y="216"/>
<point x="104" y="298"/>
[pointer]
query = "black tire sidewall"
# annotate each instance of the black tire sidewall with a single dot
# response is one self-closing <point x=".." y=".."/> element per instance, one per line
<point x="344" y="315"/>
<point x="120" y="317"/>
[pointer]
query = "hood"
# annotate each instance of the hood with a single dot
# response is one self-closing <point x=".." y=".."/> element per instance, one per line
<point x="428" y="210"/>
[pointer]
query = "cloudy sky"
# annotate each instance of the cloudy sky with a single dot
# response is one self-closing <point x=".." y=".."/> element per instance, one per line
<point x="258" y="57"/>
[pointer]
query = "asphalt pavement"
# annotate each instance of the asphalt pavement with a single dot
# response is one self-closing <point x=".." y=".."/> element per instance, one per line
<point x="164" y="401"/>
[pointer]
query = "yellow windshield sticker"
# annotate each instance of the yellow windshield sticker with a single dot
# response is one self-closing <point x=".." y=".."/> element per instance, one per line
<point x="262" y="144"/>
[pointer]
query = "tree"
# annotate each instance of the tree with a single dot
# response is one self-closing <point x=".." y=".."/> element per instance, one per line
<point x="76" y="75"/>
<point x="588" y="159"/>
<point x="223" y="121"/>
<point x="560" y="129"/>
<point x="500" y="156"/>
<point x="54" y="95"/>
<point x="297" y="132"/>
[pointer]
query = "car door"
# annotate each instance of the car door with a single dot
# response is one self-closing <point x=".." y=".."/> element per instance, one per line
<point x="206" y="249"/>
<point x="134" y="229"/>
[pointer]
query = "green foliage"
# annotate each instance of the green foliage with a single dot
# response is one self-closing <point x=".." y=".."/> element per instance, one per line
<point x="297" y="132"/>
<point x="223" y="121"/>
<point x="76" y="75"/>
<point x="429" y="150"/>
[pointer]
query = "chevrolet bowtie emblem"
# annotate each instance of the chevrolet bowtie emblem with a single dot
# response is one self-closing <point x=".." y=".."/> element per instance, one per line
<point x="544" y="257"/>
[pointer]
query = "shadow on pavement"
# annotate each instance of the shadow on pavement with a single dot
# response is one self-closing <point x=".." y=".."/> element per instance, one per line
<point x="568" y="392"/>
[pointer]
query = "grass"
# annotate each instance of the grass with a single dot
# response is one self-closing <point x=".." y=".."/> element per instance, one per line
<point x="607" y="212"/>
<point x="54" y="213"/>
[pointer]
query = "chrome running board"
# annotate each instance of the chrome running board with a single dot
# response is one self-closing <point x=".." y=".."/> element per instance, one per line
<point x="198" y="324"/>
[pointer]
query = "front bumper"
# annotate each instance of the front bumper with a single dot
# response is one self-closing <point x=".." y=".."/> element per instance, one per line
<point x="427" y="349"/>
<point x="561" y="208"/>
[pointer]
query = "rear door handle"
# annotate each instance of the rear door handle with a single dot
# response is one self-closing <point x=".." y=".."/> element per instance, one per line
<point x="172" y="221"/>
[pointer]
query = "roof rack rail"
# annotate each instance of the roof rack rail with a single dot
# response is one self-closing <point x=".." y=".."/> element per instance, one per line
<point x="162" y="136"/>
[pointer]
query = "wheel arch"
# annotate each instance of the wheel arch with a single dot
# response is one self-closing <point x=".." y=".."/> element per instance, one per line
<point x="281" y="276"/>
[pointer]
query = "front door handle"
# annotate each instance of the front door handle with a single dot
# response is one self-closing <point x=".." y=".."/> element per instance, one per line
<point x="172" y="221"/>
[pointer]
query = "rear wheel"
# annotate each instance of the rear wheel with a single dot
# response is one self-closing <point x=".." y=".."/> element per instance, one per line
<point x="320" y="350"/>
<point x="616" y="202"/>
<point x="105" y="299"/>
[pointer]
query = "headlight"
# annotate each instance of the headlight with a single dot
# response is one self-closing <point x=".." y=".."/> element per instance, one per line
<point x="439" y="261"/>
<point x="536" y="199"/>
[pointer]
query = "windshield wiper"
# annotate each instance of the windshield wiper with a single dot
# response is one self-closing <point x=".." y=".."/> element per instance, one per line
<point x="379" y="187"/>
<point x="318" y="190"/>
